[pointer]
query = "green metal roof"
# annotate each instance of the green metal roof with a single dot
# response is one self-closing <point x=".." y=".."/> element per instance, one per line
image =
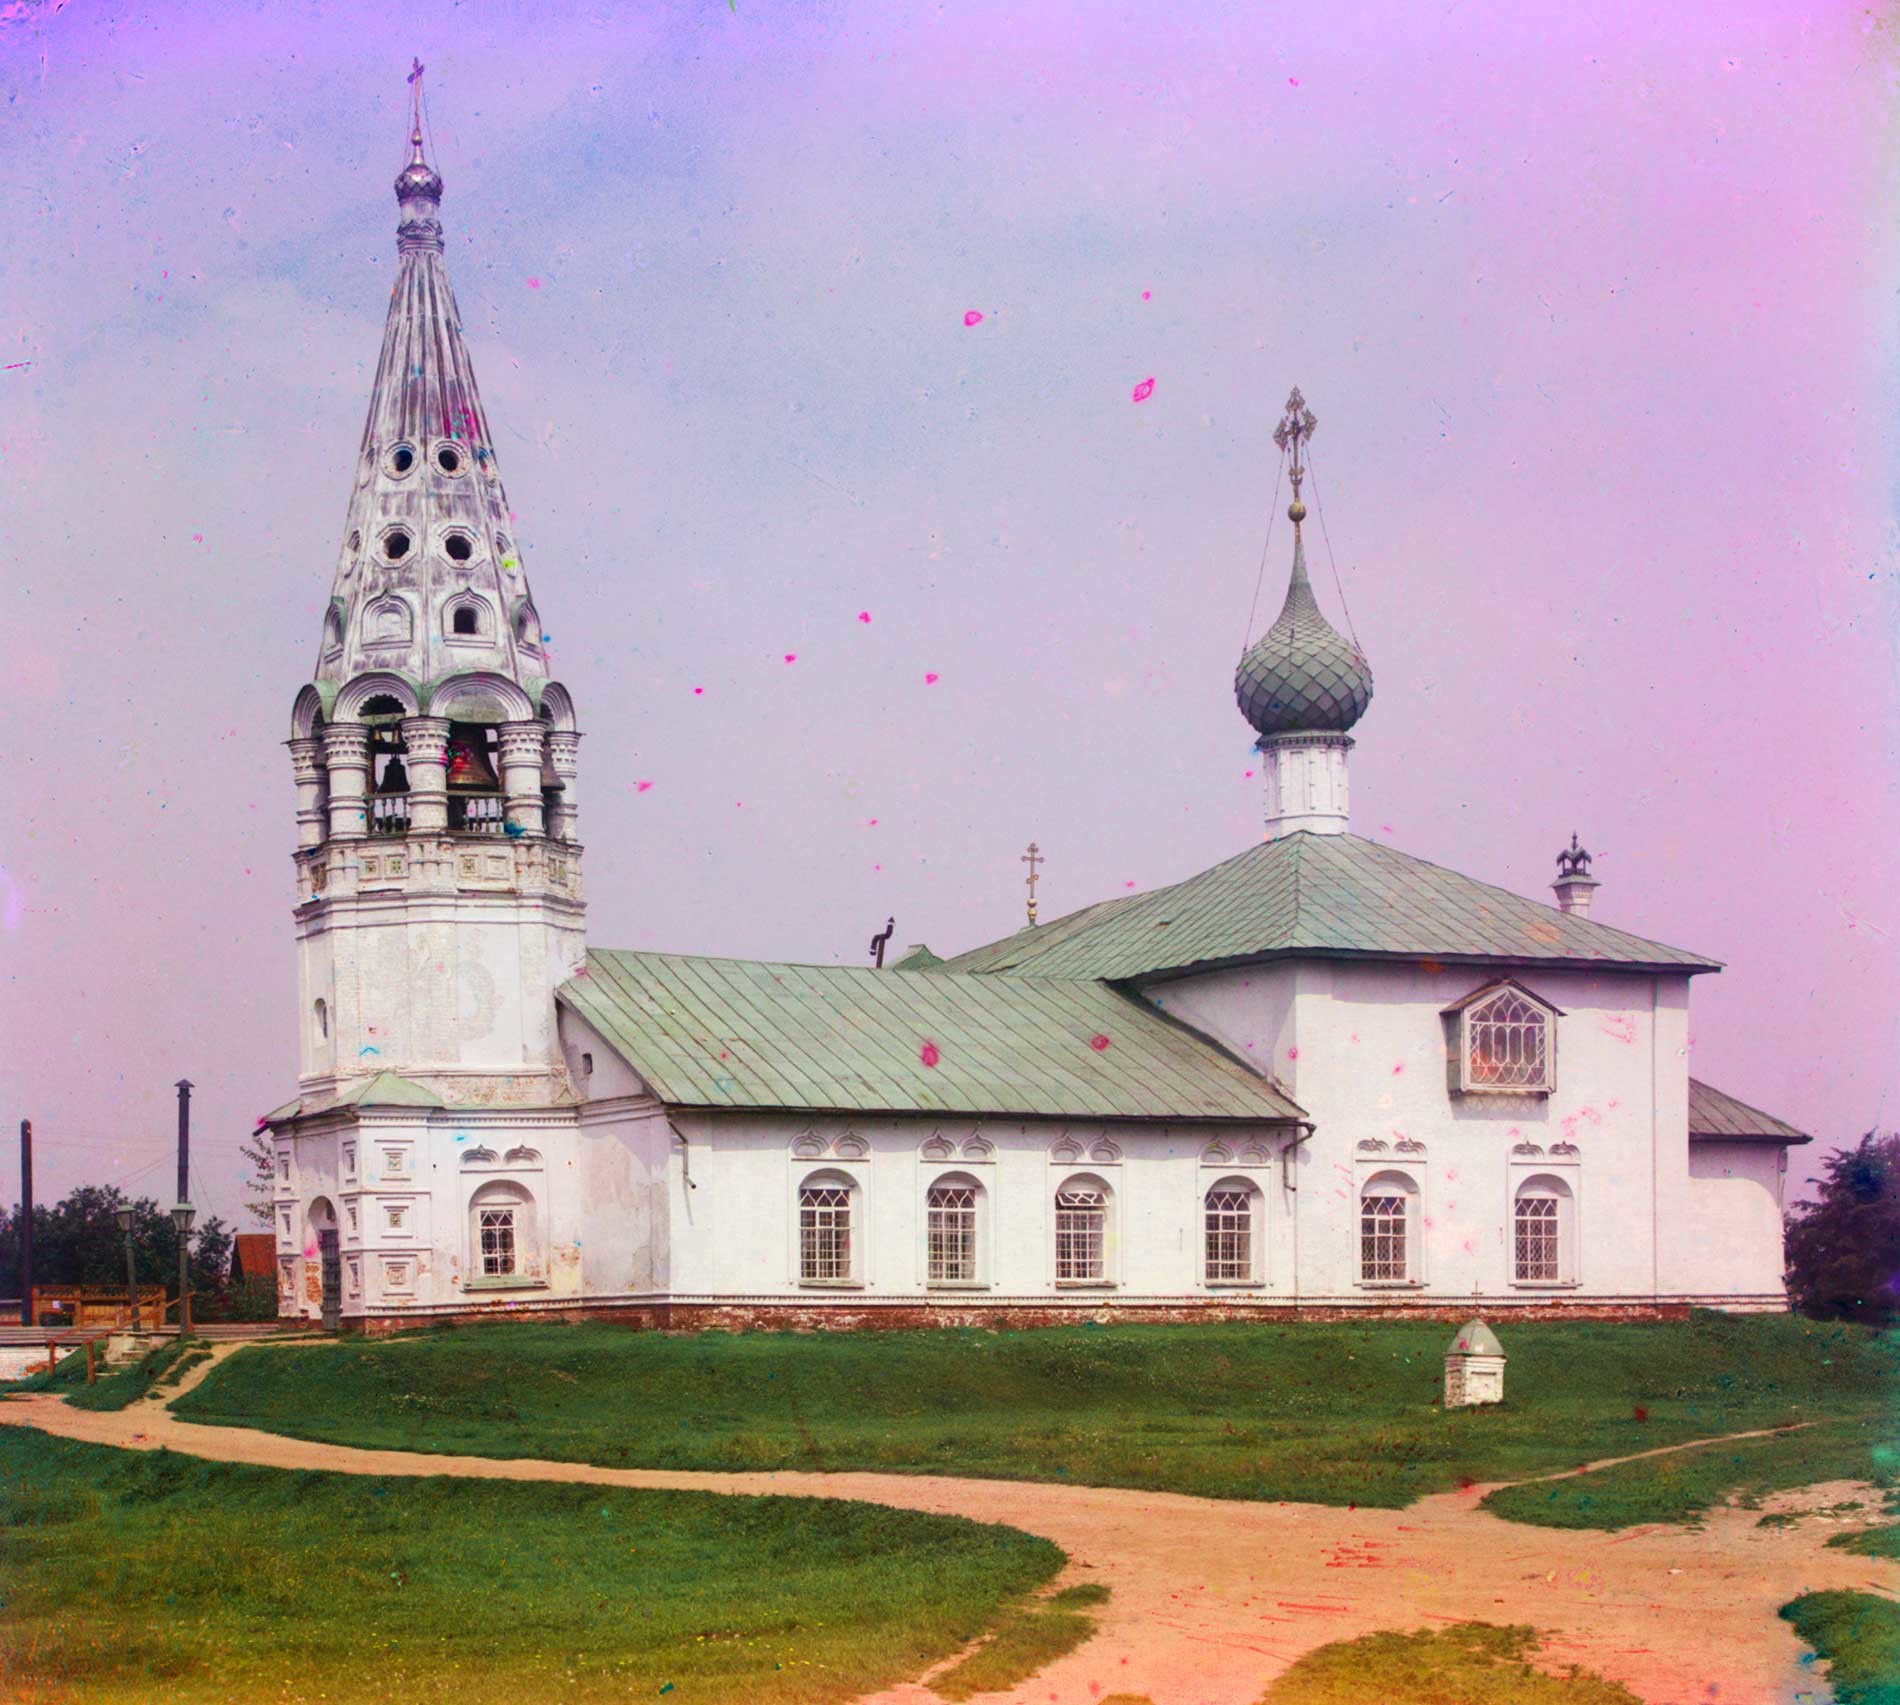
<point x="919" y="958"/>
<point x="1715" y="1116"/>
<point x="1307" y="895"/>
<point x="736" y="1033"/>
<point x="385" y="1089"/>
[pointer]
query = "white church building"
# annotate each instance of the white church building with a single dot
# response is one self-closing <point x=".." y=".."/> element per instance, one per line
<point x="1321" y="1077"/>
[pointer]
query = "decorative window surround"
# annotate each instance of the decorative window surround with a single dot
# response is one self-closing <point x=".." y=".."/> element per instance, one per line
<point x="828" y="1231"/>
<point x="1501" y="1040"/>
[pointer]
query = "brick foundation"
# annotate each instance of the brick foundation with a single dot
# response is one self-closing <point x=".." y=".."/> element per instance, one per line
<point x="763" y="1315"/>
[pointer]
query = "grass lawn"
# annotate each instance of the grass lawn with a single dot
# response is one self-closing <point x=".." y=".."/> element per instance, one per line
<point x="1856" y="1445"/>
<point x="1326" y="1414"/>
<point x="127" y="1575"/>
<point x="1470" y="1663"/>
<point x="1859" y="1636"/>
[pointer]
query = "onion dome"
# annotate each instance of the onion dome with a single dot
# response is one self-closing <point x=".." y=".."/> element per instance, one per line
<point x="418" y="178"/>
<point x="1304" y="674"/>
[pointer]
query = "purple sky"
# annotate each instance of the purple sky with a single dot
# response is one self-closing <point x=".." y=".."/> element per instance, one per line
<point x="1595" y="305"/>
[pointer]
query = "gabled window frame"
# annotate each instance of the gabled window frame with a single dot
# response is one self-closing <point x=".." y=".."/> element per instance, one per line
<point x="1461" y="1020"/>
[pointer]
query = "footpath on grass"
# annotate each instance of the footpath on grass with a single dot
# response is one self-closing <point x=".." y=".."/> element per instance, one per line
<point x="1211" y="1598"/>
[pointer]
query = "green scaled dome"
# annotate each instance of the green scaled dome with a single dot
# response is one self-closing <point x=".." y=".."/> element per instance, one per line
<point x="1304" y="675"/>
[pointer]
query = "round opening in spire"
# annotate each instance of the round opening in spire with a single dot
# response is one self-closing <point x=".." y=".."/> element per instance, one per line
<point x="448" y="457"/>
<point x="401" y="459"/>
<point x="396" y="543"/>
<point x="459" y="547"/>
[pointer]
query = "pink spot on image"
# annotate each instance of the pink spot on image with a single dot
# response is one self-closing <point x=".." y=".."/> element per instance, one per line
<point x="1398" y="1068"/>
<point x="197" y="538"/>
<point x="1144" y="390"/>
<point x="1128" y="884"/>
<point x="641" y="786"/>
<point x="864" y="615"/>
<point x="697" y="691"/>
<point x="791" y="657"/>
<point x="534" y="284"/>
<point x="928" y="1053"/>
<point x="973" y="318"/>
<point x="1098" y="1042"/>
<point x="930" y="680"/>
<point x="1146" y="294"/>
<point x="1294" y="82"/>
<point x="872" y="824"/>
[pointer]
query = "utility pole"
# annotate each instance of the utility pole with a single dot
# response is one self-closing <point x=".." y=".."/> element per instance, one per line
<point x="184" y="1139"/>
<point x="181" y="1215"/>
<point x="26" y="1222"/>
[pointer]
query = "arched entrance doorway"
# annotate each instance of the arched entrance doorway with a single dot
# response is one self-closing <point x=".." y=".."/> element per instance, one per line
<point x="329" y="1259"/>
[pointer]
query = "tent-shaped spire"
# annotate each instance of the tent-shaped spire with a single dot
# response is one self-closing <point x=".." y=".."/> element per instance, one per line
<point x="430" y="582"/>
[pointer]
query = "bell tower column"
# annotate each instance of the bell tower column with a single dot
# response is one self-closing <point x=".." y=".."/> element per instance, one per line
<point x="564" y="753"/>
<point x="521" y="773"/>
<point x="346" y="748"/>
<point x="306" y="759"/>
<point x="426" y="740"/>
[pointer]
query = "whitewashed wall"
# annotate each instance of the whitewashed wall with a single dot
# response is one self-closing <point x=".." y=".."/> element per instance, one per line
<point x="1361" y="1046"/>
<point x="736" y="1234"/>
<point x="1731" y="1242"/>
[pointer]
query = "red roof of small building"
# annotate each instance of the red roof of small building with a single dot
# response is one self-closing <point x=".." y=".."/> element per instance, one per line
<point x="253" y="1255"/>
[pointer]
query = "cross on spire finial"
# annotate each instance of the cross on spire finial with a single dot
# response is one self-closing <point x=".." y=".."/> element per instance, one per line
<point x="415" y="112"/>
<point x="1296" y="427"/>
<point x="1032" y="858"/>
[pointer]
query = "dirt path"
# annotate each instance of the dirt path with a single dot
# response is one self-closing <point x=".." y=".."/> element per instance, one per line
<point x="1210" y="1599"/>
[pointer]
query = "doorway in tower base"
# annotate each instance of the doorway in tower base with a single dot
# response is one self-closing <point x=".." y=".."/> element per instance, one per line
<point x="329" y="1262"/>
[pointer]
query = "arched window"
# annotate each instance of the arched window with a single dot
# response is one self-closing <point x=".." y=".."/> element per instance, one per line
<point x="466" y="620"/>
<point x="1231" y="1230"/>
<point x="323" y="1019"/>
<point x="1082" y="1232"/>
<point x="827" y="1246"/>
<point x="952" y="1207"/>
<point x="1504" y="1040"/>
<point x="1540" y="1232"/>
<point x="1388" y="1239"/>
<point x="503" y="1235"/>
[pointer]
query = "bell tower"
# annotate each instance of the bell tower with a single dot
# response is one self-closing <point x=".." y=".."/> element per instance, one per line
<point x="439" y="899"/>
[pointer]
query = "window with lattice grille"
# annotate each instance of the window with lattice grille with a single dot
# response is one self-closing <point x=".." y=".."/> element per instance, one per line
<point x="1081" y="1234"/>
<point x="952" y="1233"/>
<point x="497" y="1229"/>
<point x="1507" y="1043"/>
<point x="824" y="1232"/>
<point x="1539" y="1240"/>
<point x="1384" y="1246"/>
<point x="1229" y="1230"/>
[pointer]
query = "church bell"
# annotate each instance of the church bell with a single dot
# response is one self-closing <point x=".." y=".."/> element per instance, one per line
<point x="469" y="768"/>
<point x="395" y="777"/>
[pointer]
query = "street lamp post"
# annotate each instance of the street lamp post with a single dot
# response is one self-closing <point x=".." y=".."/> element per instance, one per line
<point x="182" y="1216"/>
<point x="124" y="1217"/>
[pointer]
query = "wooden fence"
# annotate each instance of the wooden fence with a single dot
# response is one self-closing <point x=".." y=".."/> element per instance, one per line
<point x="96" y="1305"/>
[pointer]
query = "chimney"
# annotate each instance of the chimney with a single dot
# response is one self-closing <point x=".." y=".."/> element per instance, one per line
<point x="1574" y="884"/>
